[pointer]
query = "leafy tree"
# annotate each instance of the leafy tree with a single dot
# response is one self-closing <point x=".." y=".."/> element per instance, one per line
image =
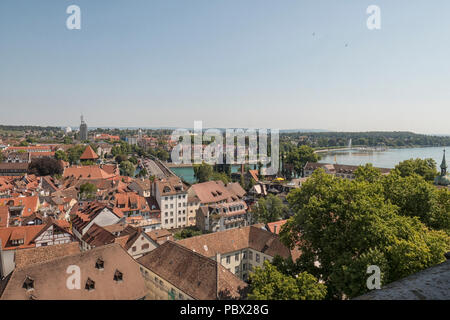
<point x="268" y="283"/>
<point x="120" y="158"/>
<point x="203" y="172"/>
<point x="439" y="216"/>
<point x="127" y="168"/>
<point x="368" y="173"/>
<point x="347" y="225"/>
<point x="298" y="158"/>
<point x="67" y="140"/>
<point x="220" y="176"/>
<point x="88" y="191"/>
<point x="423" y="167"/>
<point x="250" y="184"/>
<point x="143" y="173"/>
<point x="269" y="209"/>
<point x="187" y="233"/>
<point x="61" y="155"/>
<point x="414" y="196"/>
<point x="133" y="160"/>
<point x="75" y="153"/>
<point x="45" y="166"/>
<point x="162" y="155"/>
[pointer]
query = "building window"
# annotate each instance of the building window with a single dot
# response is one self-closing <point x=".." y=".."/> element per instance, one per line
<point x="236" y="270"/>
<point x="90" y="284"/>
<point x="244" y="266"/>
<point x="228" y="259"/>
<point x="118" y="276"/>
<point x="250" y="254"/>
<point x="100" y="264"/>
<point x="236" y="257"/>
<point x="133" y="249"/>
<point x="245" y="255"/>
<point x="28" y="283"/>
<point x="257" y="257"/>
<point x="145" y="246"/>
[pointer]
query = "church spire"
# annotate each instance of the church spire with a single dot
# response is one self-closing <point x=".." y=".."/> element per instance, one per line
<point x="443" y="166"/>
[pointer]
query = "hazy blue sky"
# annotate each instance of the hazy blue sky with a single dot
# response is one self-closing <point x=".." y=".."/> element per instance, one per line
<point x="230" y="63"/>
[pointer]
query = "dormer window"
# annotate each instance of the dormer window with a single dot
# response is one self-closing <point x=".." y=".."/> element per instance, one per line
<point x="118" y="276"/>
<point x="28" y="284"/>
<point x="90" y="284"/>
<point x="100" y="264"/>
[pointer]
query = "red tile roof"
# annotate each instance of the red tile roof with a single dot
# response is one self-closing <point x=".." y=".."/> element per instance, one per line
<point x="87" y="172"/>
<point x="4" y="216"/>
<point x="25" y="233"/>
<point x="275" y="227"/>
<point x="89" y="154"/>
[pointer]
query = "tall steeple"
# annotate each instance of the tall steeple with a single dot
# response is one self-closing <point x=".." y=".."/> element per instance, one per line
<point x="443" y="166"/>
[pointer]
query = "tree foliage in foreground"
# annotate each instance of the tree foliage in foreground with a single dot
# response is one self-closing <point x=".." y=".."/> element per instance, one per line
<point x="269" y="209"/>
<point x="423" y="167"/>
<point x="269" y="283"/>
<point x="345" y="226"/>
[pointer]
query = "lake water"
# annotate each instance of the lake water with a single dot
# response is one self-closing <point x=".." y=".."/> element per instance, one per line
<point x="187" y="173"/>
<point x="383" y="159"/>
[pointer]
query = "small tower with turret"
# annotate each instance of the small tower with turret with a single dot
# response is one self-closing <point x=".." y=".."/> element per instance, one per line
<point x="443" y="179"/>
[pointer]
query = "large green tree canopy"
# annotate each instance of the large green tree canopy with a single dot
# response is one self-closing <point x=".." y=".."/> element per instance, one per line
<point x="423" y="167"/>
<point x="269" y="283"/>
<point x="299" y="156"/>
<point x="269" y="209"/>
<point x="343" y="226"/>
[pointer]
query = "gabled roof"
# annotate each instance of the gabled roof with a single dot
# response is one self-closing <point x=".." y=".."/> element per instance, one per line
<point x="275" y="227"/>
<point x="87" y="172"/>
<point x="89" y="154"/>
<point x="237" y="239"/>
<point x="170" y="186"/>
<point x="29" y="204"/>
<point x="81" y="218"/>
<point x="25" y="233"/>
<point x="199" y="277"/>
<point x="217" y="191"/>
<point x="130" y="201"/>
<point x="50" y="277"/>
<point x="96" y="236"/>
<point x="254" y="174"/>
<point x="27" y="257"/>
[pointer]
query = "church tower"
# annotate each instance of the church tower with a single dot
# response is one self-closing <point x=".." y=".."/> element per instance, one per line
<point x="443" y="179"/>
<point x="443" y="166"/>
